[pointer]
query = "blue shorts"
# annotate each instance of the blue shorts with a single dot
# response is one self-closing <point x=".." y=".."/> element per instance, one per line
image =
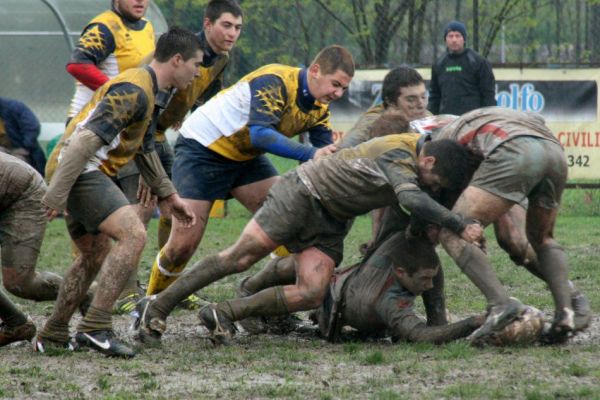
<point x="202" y="174"/>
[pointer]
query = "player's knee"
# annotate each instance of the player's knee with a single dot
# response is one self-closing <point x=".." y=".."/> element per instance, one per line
<point x="19" y="286"/>
<point x="312" y="297"/>
<point x="137" y="238"/>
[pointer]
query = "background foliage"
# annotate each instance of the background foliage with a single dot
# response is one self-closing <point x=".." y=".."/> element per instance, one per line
<point x="387" y="33"/>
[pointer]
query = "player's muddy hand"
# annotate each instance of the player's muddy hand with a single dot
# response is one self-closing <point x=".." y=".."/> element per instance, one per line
<point x="144" y="194"/>
<point x="175" y="206"/>
<point x="473" y="233"/>
<point x="324" y="151"/>
<point x="337" y="136"/>
<point x="51" y="213"/>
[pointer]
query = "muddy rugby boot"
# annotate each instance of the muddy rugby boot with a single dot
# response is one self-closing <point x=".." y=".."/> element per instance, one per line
<point x="49" y="346"/>
<point x="561" y="329"/>
<point x="220" y="326"/>
<point x="583" y="311"/>
<point x="106" y="342"/>
<point x="497" y="318"/>
<point x="192" y="302"/>
<point x="11" y="334"/>
<point x="126" y="305"/>
<point x="149" y="329"/>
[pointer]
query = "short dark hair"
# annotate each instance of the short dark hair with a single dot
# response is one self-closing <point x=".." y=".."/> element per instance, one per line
<point x="453" y="161"/>
<point x="395" y="80"/>
<point x="335" y="57"/>
<point x="413" y="254"/>
<point x="216" y="8"/>
<point x="177" y="41"/>
<point x="389" y="123"/>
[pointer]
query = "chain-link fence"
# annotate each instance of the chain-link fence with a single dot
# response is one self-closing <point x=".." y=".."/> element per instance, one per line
<point x="379" y="33"/>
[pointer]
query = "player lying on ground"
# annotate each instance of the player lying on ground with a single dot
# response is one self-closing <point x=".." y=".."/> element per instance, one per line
<point x="310" y="211"/>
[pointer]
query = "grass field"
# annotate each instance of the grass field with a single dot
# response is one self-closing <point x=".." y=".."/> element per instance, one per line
<point x="303" y="366"/>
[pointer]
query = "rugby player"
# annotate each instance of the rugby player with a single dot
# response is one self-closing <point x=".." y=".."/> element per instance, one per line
<point x="325" y="195"/>
<point x="113" y="42"/>
<point x="523" y="162"/>
<point x="111" y="130"/>
<point x="221" y="146"/>
<point x="221" y="29"/>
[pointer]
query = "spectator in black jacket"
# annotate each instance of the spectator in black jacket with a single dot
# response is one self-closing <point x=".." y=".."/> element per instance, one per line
<point x="462" y="80"/>
<point x="19" y="131"/>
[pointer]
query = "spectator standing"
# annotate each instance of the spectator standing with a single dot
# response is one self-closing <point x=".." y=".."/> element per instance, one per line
<point x="462" y="80"/>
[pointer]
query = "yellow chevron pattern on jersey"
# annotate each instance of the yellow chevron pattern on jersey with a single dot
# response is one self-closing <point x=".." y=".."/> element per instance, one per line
<point x="293" y="121"/>
<point x="93" y="39"/>
<point x="183" y="100"/>
<point x="131" y="46"/>
<point x="131" y="138"/>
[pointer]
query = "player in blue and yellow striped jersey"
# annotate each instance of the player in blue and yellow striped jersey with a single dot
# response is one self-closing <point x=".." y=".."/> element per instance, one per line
<point x="111" y="130"/>
<point x="220" y="151"/>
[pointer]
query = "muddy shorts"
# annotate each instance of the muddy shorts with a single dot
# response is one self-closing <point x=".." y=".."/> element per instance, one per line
<point x="201" y="174"/>
<point x="524" y="167"/>
<point x="22" y="227"/>
<point x="128" y="177"/>
<point x="291" y="216"/>
<point x="93" y="198"/>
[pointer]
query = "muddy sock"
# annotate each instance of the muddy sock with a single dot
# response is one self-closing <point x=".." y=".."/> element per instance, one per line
<point x="198" y="276"/>
<point x="279" y="271"/>
<point x="267" y="302"/>
<point x="54" y="330"/>
<point x="164" y="230"/>
<point x="475" y="264"/>
<point x="95" y="320"/>
<point x="9" y="313"/>
<point x="553" y="265"/>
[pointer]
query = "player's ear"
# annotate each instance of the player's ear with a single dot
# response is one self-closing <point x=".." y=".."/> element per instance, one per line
<point x="177" y="59"/>
<point x="314" y="70"/>
<point x="207" y="25"/>
<point x="400" y="272"/>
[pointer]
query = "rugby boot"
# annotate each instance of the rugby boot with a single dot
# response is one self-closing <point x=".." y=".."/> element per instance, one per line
<point x="126" y="305"/>
<point x="583" y="311"/>
<point x="253" y="325"/>
<point x="561" y="329"/>
<point x="149" y="329"/>
<point x="106" y="342"/>
<point x="50" y="346"/>
<point x="220" y="326"/>
<point x="11" y="334"/>
<point x="497" y="318"/>
<point x="192" y="302"/>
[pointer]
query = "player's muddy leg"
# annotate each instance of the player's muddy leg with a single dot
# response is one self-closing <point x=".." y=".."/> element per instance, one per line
<point x="510" y="231"/>
<point x="314" y="273"/>
<point x="278" y="271"/>
<point x="93" y="249"/>
<point x="252" y="246"/>
<point x="553" y="265"/>
<point x="23" y="281"/>
<point x="129" y="235"/>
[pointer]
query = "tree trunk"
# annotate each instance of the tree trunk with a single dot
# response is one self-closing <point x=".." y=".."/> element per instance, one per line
<point x="476" y="25"/>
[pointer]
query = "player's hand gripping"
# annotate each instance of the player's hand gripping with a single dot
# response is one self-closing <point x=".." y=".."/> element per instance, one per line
<point x="144" y="194"/>
<point x="175" y="206"/>
<point x="324" y="151"/>
<point x="473" y="233"/>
